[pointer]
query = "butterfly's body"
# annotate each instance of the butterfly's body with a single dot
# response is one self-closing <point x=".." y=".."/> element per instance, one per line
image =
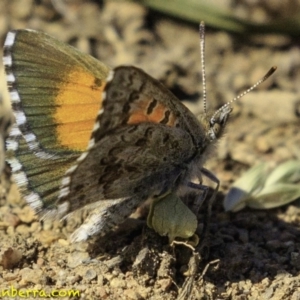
<point x="91" y="137"/>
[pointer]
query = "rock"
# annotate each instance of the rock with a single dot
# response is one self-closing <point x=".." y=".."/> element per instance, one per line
<point x="10" y="258"/>
<point x="76" y="258"/>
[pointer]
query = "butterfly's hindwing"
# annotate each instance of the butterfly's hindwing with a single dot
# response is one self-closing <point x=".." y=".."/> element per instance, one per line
<point x="132" y="163"/>
<point x="133" y="160"/>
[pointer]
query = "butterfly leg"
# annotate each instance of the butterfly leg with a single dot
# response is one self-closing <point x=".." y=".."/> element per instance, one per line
<point x="199" y="201"/>
<point x="214" y="179"/>
<point x="104" y="217"/>
<point x="205" y="189"/>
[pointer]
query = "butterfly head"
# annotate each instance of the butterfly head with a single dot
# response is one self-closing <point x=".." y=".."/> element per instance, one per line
<point x="218" y="121"/>
<point x="215" y="124"/>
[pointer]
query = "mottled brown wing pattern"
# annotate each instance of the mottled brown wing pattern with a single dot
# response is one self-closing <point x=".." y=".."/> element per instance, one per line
<point x="142" y="145"/>
<point x="132" y="162"/>
<point x="134" y="97"/>
<point x="142" y="160"/>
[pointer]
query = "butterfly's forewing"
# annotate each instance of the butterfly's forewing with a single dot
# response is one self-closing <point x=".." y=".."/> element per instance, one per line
<point x="56" y="93"/>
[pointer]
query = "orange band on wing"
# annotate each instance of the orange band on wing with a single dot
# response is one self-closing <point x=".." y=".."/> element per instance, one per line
<point x="138" y="114"/>
<point x="79" y="101"/>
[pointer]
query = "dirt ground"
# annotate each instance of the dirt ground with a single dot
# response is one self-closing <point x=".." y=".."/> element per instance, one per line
<point x="252" y="254"/>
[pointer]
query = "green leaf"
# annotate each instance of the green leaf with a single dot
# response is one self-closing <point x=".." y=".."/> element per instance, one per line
<point x="275" y="196"/>
<point x="249" y="183"/>
<point x="169" y="216"/>
<point x="288" y="172"/>
<point x="257" y="189"/>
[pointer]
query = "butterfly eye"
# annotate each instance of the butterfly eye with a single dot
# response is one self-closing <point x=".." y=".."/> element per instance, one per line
<point x="214" y="131"/>
<point x="217" y="130"/>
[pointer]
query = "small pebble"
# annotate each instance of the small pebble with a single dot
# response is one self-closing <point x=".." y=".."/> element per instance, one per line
<point x="76" y="258"/>
<point x="11" y="219"/>
<point x="32" y="276"/>
<point x="132" y="295"/>
<point x="73" y="279"/>
<point x="90" y="274"/>
<point x="117" y="283"/>
<point x="101" y="292"/>
<point x="27" y="215"/>
<point x="263" y="145"/>
<point x="64" y="242"/>
<point x="165" y="283"/>
<point x="23" y="230"/>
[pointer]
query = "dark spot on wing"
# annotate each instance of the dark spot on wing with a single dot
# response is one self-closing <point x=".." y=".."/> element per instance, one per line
<point x="149" y="132"/>
<point x="165" y="120"/>
<point x="166" y="138"/>
<point x="97" y="84"/>
<point x="151" y="106"/>
<point x="78" y="187"/>
<point x="141" y="142"/>
<point x="133" y="129"/>
<point x="131" y="169"/>
<point x="82" y="197"/>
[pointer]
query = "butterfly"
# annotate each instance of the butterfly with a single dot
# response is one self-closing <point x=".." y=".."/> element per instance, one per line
<point x="91" y="137"/>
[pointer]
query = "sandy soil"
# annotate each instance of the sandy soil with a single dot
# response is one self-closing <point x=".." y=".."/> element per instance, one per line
<point x="257" y="252"/>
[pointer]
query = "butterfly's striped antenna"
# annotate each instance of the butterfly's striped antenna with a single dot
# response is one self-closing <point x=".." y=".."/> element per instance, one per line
<point x="202" y="57"/>
<point x="269" y="73"/>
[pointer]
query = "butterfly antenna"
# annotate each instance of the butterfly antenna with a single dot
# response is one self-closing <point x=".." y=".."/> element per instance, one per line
<point x="202" y="57"/>
<point x="264" y="78"/>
